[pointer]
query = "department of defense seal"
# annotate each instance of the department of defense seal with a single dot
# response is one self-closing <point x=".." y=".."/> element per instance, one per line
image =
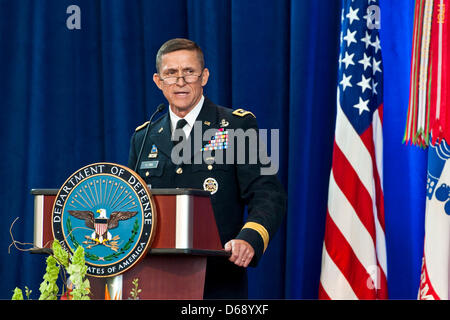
<point x="109" y="210"/>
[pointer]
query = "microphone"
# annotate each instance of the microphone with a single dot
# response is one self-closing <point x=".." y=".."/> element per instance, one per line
<point x="160" y="108"/>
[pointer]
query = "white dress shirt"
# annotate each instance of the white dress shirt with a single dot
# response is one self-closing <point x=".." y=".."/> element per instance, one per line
<point x="190" y="117"/>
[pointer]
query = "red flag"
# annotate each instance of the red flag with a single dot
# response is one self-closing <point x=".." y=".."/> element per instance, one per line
<point x="354" y="262"/>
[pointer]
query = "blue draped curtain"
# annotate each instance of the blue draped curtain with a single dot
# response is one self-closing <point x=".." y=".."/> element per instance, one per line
<point x="74" y="97"/>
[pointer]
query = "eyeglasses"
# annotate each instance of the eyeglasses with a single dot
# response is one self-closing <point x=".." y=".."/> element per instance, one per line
<point x="187" y="78"/>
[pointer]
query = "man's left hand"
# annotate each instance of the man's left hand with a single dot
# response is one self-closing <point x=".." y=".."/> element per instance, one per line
<point x="241" y="252"/>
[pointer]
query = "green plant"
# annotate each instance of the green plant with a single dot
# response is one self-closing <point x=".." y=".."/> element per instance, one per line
<point x="61" y="255"/>
<point x="135" y="291"/>
<point x="77" y="270"/>
<point x="27" y="292"/>
<point x="75" y="267"/>
<point x="17" y="295"/>
<point x="49" y="288"/>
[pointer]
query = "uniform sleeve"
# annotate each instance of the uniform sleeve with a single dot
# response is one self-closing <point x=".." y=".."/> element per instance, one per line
<point x="265" y="198"/>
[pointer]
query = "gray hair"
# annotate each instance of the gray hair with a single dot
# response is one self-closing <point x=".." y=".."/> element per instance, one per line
<point x="179" y="44"/>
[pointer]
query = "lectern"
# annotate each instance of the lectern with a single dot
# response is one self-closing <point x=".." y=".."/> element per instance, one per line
<point x="175" y="265"/>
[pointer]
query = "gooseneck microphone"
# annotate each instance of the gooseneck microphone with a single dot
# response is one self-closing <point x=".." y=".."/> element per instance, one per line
<point x="160" y="108"/>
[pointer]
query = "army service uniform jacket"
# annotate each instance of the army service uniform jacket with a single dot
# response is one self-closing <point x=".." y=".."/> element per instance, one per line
<point x="232" y="186"/>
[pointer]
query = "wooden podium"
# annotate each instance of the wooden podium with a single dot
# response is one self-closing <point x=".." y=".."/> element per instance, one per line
<point x="175" y="265"/>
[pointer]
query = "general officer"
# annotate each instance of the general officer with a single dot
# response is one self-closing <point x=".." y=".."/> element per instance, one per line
<point x="181" y="75"/>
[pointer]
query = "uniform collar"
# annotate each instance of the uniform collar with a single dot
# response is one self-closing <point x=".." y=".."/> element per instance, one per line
<point x="190" y="117"/>
<point x="161" y="132"/>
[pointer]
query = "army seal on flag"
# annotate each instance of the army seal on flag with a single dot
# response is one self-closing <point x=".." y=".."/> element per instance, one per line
<point x="108" y="210"/>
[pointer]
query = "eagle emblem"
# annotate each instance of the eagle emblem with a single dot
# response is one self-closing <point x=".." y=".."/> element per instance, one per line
<point x="101" y="226"/>
<point x="107" y="209"/>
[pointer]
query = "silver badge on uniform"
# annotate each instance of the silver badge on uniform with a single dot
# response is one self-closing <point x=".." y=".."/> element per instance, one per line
<point x="149" y="164"/>
<point x="211" y="185"/>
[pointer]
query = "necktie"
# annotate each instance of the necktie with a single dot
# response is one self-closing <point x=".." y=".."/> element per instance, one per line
<point x="180" y="125"/>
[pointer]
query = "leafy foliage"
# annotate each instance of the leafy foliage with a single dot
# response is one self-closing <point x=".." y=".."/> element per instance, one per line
<point x="17" y="295"/>
<point x="49" y="288"/>
<point x="75" y="267"/>
<point x="77" y="270"/>
<point x="61" y="255"/>
<point x="135" y="290"/>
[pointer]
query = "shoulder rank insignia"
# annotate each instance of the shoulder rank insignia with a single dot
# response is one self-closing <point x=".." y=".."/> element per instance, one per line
<point x="142" y="126"/>
<point x="242" y="113"/>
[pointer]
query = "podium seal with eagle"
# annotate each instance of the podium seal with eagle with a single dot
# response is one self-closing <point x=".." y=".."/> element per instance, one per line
<point x="109" y="210"/>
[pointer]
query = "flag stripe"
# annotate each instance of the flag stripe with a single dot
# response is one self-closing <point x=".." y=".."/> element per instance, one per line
<point x="322" y="293"/>
<point x="377" y="139"/>
<point x="350" y="226"/>
<point x="382" y="292"/>
<point x="351" y="145"/>
<point x="373" y="141"/>
<point x="351" y="187"/>
<point x="342" y="254"/>
<point x="341" y="288"/>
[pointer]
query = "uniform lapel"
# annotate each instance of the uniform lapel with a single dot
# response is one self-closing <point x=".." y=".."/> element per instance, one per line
<point x="161" y="136"/>
<point x="207" y="118"/>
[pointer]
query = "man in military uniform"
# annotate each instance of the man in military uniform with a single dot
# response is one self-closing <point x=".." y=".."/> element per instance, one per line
<point x="181" y="75"/>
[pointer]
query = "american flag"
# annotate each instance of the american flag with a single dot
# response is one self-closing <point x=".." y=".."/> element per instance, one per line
<point x="354" y="262"/>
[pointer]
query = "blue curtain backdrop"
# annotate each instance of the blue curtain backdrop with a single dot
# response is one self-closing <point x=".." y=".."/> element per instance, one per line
<point x="74" y="97"/>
